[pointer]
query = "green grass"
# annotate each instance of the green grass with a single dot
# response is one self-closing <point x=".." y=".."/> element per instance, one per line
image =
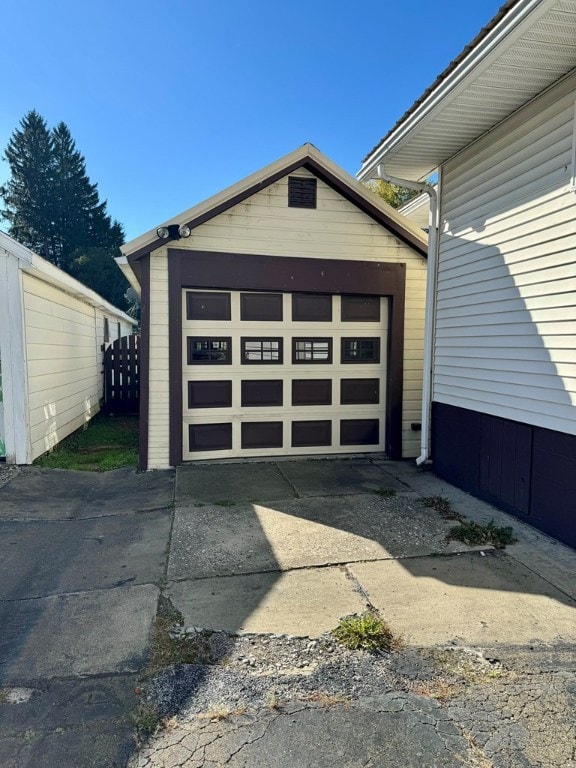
<point x="474" y="534"/>
<point x="367" y="632"/>
<point x="386" y="493"/>
<point x="108" y="442"/>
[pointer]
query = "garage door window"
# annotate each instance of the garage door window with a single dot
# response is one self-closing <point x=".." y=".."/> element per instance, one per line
<point x="209" y="350"/>
<point x="361" y="350"/>
<point x="311" y="350"/>
<point x="263" y="351"/>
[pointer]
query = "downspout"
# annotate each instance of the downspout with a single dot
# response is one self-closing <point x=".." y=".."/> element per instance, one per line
<point x="432" y="271"/>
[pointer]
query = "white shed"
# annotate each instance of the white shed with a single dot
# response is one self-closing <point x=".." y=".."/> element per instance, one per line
<point x="52" y="330"/>
<point x="499" y="125"/>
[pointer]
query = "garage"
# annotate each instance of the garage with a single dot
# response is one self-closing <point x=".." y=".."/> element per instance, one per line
<point x="284" y="316"/>
<point x="282" y="372"/>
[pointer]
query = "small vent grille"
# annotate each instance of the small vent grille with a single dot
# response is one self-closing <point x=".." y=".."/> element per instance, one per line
<point x="301" y="192"/>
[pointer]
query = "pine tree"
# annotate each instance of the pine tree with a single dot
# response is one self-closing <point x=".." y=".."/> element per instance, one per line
<point x="27" y="199"/>
<point x="53" y="208"/>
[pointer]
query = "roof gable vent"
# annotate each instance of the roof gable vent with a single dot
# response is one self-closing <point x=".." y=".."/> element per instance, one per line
<point x="301" y="192"/>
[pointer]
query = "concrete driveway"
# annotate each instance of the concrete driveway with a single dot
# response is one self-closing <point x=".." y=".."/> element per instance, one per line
<point x="279" y="547"/>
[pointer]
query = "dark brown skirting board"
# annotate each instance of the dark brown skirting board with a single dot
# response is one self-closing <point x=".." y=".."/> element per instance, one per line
<point x="252" y="272"/>
<point x="527" y="471"/>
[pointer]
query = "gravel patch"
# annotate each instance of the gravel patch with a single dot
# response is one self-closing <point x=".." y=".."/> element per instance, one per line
<point x="8" y="472"/>
<point x="251" y="670"/>
<point x="511" y="707"/>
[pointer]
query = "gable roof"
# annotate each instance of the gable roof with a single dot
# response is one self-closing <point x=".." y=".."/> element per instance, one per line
<point x="307" y="157"/>
<point x="527" y="47"/>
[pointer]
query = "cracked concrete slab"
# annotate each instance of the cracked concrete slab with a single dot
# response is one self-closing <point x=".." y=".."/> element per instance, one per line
<point x="230" y="483"/>
<point x="469" y="598"/>
<point x="246" y="538"/>
<point x="51" y="557"/>
<point x="87" y="633"/>
<point x="302" y="602"/>
<point x="328" y="477"/>
<point x="57" y="494"/>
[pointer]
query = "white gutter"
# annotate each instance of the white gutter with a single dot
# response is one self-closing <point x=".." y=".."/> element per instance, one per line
<point x="507" y="27"/>
<point x="430" y="303"/>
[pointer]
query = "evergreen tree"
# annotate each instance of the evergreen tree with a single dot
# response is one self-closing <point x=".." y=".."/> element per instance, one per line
<point x="53" y="208"/>
<point x="27" y="199"/>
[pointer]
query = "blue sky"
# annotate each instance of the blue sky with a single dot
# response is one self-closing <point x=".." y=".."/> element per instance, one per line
<point x="171" y="102"/>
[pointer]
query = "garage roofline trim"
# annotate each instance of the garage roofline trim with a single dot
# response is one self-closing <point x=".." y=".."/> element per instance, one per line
<point x="307" y="157"/>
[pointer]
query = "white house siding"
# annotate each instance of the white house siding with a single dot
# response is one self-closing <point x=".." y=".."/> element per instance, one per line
<point x="506" y="298"/>
<point x="159" y="399"/>
<point x="64" y="359"/>
<point x="336" y="229"/>
<point x="63" y="364"/>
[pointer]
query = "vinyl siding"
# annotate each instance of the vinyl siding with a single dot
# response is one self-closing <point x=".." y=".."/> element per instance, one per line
<point x="506" y="300"/>
<point x="336" y="229"/>
<point x="159" y="399"/>
<point x="63" y="363"/>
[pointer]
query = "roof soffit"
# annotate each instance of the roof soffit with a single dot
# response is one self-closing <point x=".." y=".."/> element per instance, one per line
<point x="526" y="48"/>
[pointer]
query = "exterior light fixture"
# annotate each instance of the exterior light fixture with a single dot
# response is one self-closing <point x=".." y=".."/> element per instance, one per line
<point x="173" y="232"/>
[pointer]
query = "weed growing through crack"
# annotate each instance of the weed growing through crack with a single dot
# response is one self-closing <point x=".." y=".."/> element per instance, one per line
<point x="473" y="534"/>
<point x="225" y="503"/>
<point x="439" y="690"/>
<point x="367" y="632"/>
<point x="272" y="700"/>
<point x="166" y="650"/>
<point x="146" y="720"/>
<point x="386" y="493"/>
<point x="441" y="505"/>
<point x="217" y="714"/>
<point x="327" y="699"/>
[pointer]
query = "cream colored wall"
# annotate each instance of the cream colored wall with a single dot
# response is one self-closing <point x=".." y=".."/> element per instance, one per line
<point x="264" y="224"/>
<point x="159" y="399"/>
<point x="63" y="363"/>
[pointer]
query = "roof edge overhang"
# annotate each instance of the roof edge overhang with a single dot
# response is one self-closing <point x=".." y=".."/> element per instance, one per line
<point x="38" y="267"/>
<point x="502" y="31"/>
<point x="307" y="157"/>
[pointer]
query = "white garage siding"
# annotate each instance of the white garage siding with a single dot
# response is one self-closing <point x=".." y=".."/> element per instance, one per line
<point x="51" y="332"/>
<point x="63" y="338"/>
<point x="506" y="299"/>
<point x="264" y="224"/>
<point x="159" y="375"/>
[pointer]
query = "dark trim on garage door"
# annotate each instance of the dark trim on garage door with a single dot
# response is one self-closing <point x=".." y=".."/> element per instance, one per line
<point x="251" y="272"/>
